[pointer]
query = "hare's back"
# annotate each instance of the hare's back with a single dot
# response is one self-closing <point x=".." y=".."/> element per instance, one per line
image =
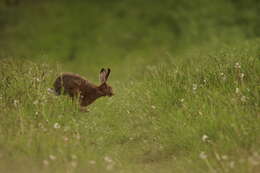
<point x="70" y="78"/>
<point x="69" y="81"/>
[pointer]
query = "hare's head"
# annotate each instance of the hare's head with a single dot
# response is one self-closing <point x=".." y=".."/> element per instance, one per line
<point x="104" y="87"/>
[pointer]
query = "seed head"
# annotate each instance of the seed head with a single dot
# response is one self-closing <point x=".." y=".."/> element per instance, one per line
<point x="237" y="65"/>
<point x="52" y="157"/>
<point x="56" y="126"/>
<point x="205" y="138"/>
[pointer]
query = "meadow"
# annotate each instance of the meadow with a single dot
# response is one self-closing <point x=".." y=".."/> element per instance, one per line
<point x="186" y="77"/>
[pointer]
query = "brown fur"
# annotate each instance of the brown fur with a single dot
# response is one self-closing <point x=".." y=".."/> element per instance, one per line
<point x="77" y="86"/>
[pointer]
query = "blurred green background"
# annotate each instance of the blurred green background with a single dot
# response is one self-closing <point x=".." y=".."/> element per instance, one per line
<point x="119" y="33"/>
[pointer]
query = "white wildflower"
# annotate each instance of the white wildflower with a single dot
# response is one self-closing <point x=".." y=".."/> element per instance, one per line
<point x="243" y="99"/>
<point x="74" y="164"/>
<point x="45" y="162"/>
<point x="40" y="125"/>
<point x="92" y="162"/>
<point x="16" y="102"/>
<point x="110" y="162"/>
<point x="50" y="90"/>
<point x="241" y="75"/>
<point x="52" y="157"/>
<point x="237" y="65"/>
<point x="153" y="107"/>
<point x="108" y="159"/>
<point x="232" y="164"/>
<point x="224" y="157"/>
<point x="223" y="76"/>
<point x="66" y="139"/>
<point x="194" y="87"/>
<point x="56" y="126"/>
<point x="203" y="155"/>
<point x="35" y="102"/>
<point x="205" y="138"/>
<point x="110" y="166"/>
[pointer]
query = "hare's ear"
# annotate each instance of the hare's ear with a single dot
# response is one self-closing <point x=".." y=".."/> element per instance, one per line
<point x="107" y="74"/>
<point x="102" y="75"/>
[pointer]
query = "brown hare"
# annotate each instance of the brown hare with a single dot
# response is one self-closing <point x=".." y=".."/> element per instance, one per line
<point x="77" y="86"/>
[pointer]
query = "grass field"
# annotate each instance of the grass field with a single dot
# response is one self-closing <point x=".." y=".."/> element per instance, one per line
<point x="186" y="77"/>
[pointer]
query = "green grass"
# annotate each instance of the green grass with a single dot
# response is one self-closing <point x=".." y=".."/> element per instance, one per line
<point x="152" y="124"/>
<point x="186" y="77"/>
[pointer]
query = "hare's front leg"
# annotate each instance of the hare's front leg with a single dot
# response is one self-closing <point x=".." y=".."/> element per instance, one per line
<point x="83" y="104"/>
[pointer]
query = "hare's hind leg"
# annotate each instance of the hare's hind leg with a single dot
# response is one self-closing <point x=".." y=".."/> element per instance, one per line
<point x="72" y="92"/>
<point x="57" y="86"/>
<point x="83" y="109"/>
<point x="83" y="104"/>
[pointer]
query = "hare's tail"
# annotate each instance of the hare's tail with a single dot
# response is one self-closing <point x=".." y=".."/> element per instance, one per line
<point x="54" y="91"/>
<point x="57" y="87"/>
